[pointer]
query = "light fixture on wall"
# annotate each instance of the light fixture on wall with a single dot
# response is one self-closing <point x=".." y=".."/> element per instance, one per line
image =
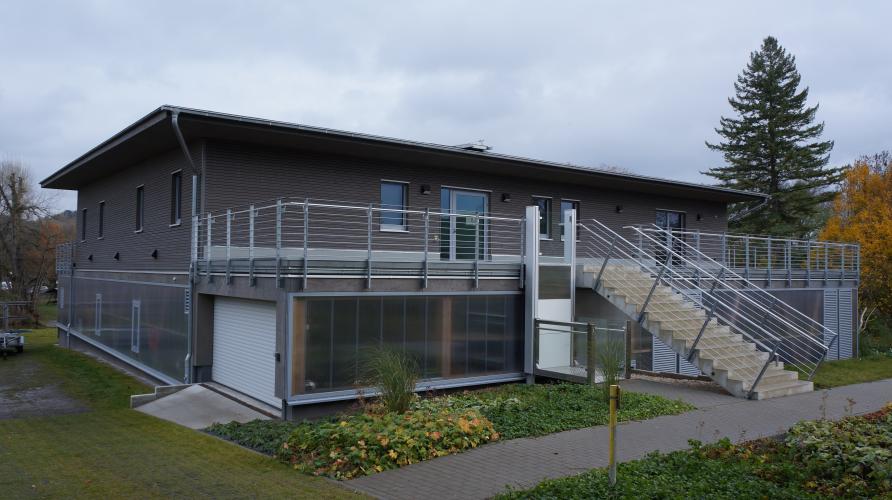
<point x="425" y="189"/>
<point x="619" y="209"/>
<point x="90" y="257"/>
<point x="506" y="197"/>
<point x="117" y="256"/>
<point x="699" y="217"/>
<point x="155" y="254"/>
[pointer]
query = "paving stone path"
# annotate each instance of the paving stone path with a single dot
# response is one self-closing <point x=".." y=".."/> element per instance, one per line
<point x="521" y="463"/>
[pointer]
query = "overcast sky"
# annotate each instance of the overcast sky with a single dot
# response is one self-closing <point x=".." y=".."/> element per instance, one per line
<point x="639" y="85"/>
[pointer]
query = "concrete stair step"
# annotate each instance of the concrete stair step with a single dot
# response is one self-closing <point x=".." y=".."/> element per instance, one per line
<point x="768" y="391"/>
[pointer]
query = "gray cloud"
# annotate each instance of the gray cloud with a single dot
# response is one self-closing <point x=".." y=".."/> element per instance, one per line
<point x="635" y="84"/>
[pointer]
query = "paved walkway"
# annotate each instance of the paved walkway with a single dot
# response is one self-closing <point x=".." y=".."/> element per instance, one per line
<point x="486" y="471"/>
<point x="197" y="407"/>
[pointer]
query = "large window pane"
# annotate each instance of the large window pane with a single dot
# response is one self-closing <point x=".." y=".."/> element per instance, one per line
<point x="544" y="205"/>
<point x="393" y="196"/>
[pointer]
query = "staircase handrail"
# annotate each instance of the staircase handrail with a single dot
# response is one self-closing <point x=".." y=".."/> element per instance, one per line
<point x="663" y="267"/>
<point x="729" y="273"/>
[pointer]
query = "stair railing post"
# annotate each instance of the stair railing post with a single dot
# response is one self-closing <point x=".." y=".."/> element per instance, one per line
<point x="789" y="251"/>
<point x="251" y="215"/>
<point x="842" y="262"/>
<point x="746" y="251"/>
<point x="628" y="363"/>
<point x="604" y="264"/>
<point x="476" y="250"/>
<point x="207" y="252"/>
<point x="724" y="249"/>
<point x="279" y="210"/>
<point x="709" y="314"/>
<point x="427" y="217"/>
<point x="826" y="261"/>
<point x="306" y="242"/>
<point x="769" y="262"/>
<point x="771" y="356"/>
<point x="228" y="245"/>
<point x="590" y="365"/>
<point x="808" y="263"/>
<point x="650" y="294"/>
<point x="368" y="283"/>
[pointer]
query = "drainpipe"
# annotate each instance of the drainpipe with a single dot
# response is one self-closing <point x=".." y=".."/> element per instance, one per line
<point x="196" y="174"/>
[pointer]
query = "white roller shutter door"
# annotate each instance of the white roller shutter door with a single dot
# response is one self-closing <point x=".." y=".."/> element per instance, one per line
<point x="245" y="347"/>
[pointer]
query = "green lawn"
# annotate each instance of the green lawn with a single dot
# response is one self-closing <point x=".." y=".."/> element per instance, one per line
<point x="853" y="371"/>
<point x="111" y="451"/>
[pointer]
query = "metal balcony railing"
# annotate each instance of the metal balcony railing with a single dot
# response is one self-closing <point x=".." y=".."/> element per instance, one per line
<point x="318" y="237"/>
<point x="767" y="258"/>
<point x="708" y="290"/>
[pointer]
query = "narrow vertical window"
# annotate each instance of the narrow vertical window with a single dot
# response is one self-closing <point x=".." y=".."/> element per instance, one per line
<point x="101" y="226"/>
<point x="393" y="196"/>
<point x="176" y="197"/>
<point x="567" y="205"/>
<point x="544" y="205"/>
<point x="140" y="207"/>
<point x="84" y="225"/>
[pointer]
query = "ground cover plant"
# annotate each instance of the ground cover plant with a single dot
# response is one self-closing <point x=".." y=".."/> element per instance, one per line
<point x="376" y="439"/>
<point x="68" y="433"/>
<point x="848" y="458"/>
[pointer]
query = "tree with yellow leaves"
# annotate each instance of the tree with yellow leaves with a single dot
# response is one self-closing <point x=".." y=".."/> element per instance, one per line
<point x="862" y="213"/>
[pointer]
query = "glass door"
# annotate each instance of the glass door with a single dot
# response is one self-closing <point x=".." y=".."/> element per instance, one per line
<point x="467" y="228"/>
<point x="674" y="222"/>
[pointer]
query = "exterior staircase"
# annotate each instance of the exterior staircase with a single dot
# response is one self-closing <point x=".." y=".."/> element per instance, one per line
<point x="726" y="357"/>
<point x="747" y="340"/>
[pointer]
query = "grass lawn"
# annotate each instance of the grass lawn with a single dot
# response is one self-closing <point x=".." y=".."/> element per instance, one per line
<point x="853" y="371"/>
<point x="106" y="450"/>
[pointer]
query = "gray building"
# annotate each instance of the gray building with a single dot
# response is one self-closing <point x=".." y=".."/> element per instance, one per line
<point x="270" y="257"/>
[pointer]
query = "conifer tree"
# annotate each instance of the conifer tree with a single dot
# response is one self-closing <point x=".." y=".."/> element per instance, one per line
<point x="772" y="147"/>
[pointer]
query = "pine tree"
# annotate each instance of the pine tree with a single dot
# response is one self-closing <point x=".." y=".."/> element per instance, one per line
<point x="771" y="147"/>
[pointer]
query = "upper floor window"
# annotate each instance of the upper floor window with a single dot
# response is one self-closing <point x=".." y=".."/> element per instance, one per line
<point x="101" y="226"/>
<point x="84" y="224"/>
<point x="176" y="198"/>
<point x="544" y="205"/>
<point x="140" y="207"/>
<point x="567" y="205"/>
<point x="394" y="196"/>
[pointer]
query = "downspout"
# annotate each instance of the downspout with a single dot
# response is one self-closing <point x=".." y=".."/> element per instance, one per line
<point x="196" y="174"/>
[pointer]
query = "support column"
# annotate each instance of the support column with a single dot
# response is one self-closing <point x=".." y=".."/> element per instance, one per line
<point x="531" y="287"/>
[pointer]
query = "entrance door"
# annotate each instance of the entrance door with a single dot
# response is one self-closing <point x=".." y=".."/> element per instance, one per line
<point x="674" y="222"/>
<point x="464" y="229"/>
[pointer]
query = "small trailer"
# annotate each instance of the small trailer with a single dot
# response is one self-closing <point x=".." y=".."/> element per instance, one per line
<point x="12" y="340"/>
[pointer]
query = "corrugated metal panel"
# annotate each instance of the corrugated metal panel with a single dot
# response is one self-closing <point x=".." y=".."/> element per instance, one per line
<point x="665" y="359"/>
<point x="831" y="320"/>
<point x="687" y="368"/>
<point x="846" y="318"/>
<point x="245" y="347"/>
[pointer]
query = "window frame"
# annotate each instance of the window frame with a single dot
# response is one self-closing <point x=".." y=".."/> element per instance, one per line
<point x="394" y="228"/>
<point x="176" y="198"/>
<point x="100" y="228"/>
<point x="546" y="218"/>
<point x="140" y="208"/>
<point x="577" y="206"/>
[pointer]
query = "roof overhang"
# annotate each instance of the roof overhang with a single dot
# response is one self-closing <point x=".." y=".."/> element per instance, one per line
<point x="154" y="134"/>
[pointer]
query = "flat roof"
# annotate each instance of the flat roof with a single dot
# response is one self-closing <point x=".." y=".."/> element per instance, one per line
<point x="154" y="133"/>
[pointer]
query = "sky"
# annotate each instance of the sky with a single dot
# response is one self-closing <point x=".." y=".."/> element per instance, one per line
<point x="634" y="84"/>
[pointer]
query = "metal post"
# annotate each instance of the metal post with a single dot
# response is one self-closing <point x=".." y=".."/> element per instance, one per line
<point x="590" y="364"/>
<point x="228" y="245"/>
<point x="769" y="262"/>
<point x="826" y="260"/>
<point x="614" y="404"/>
<point x="762" y="372"/>
<point x="251" y="280"/>
<point x="842" y="262"/>
<point x="306" y="241"/>
<point x="523" y="247"/>
<point x="279" y="210"/>
<point x="746" y="251"/>
<point x="709" y="315"/>
<point x="789" y="251"/>
<point x="207" y="252"/>
<point x="604" y="265"/>
<point x="427" y="219"/>
<point x="724" y="249"/>
<point x="476" y="250"/>
<point x="808" y="264"/>
<point x="368" y="283"/>
<point x="650" y="294"/>
<point x="628" y="365"/>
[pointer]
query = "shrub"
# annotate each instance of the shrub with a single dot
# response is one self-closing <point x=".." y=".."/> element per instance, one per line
<point x="265" y="436"/>
<point x="611" y="357"/>
<point x="394" y="374"/>
<point x="369" y="443"/>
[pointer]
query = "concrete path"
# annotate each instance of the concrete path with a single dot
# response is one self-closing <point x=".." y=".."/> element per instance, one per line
<point x="197" y="407"/>
<point x="521" y="463"/>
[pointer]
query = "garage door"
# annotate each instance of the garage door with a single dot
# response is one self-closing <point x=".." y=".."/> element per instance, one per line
<point x="245" y="347"/>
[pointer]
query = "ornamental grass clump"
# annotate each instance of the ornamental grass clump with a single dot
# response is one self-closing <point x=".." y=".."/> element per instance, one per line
<point x="611" y="356"/>
<point x="367" y="443"/>
<point x="394" y="374"/>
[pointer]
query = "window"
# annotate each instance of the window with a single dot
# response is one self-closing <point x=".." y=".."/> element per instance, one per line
<point x="101" y="226"/>
<point x="98" y="315"/>
<point x="544" y="205"/>
<point x="393" y="195"/>
<point x="84" y="225"/>
<point x="140" y="207"/>
<point x="569" y="205"/>
<point x="134" y="325"/>
<point x="176" y="198"/>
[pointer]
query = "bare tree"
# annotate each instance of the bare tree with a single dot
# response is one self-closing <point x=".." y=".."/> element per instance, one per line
<point x="22" y="207"/>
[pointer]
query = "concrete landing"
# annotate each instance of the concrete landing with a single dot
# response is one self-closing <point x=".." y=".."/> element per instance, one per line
<point x="197" y="407"/>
